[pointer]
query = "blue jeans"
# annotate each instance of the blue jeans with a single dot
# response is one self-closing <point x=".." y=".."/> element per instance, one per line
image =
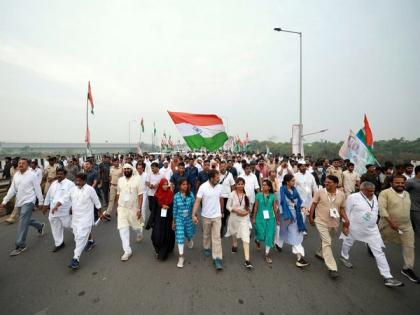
<point x="24" y="223"/>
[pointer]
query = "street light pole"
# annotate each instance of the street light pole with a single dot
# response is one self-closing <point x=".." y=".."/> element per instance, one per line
<point x="278" y="29"/>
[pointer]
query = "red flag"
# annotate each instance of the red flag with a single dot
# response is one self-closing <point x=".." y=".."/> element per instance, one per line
<point x="90" y="97"/>
<point x="87" y="136"/>
<point x="368" y="133"/>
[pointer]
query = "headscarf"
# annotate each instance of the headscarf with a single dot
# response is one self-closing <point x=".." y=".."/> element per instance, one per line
<point x="287" y="214"/>
<point x="164" y="197"/>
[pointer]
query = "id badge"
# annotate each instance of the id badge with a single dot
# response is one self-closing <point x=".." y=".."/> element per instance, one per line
<point x="266" y="214"/>
<point x="163" y="213"/>
<point x="185" y="213"/>
<point x="367" y="217"/>
<point x="334" y="213"/>
<point x="126" y="197"/>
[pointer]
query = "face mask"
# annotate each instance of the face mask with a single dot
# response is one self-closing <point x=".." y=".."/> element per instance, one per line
<point x="320" y="169"/>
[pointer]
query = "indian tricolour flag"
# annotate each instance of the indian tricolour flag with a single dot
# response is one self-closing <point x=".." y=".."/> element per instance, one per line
<point x="200" y="130"/>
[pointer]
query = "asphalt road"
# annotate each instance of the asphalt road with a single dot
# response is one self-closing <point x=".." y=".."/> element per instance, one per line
<point x="39" y="282"/>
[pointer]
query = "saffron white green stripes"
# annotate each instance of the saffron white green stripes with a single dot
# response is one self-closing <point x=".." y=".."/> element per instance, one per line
<point x="200" y="131"/>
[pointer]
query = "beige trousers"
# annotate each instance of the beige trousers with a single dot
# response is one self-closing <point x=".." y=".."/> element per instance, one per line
<point x="112" y="195"/>
<point x="211" y="236"/>
<point x="326" y="251"/>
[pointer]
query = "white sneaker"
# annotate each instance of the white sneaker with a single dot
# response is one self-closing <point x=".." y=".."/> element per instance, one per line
<point x="190" y="244"/>
<point x="180" y="262"/>
<point x="126" y="256"/>
<point x="139" y="237"/>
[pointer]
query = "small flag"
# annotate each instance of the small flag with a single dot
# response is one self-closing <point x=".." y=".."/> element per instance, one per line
<point x="90" y="97"/>
<point x="365" y="134"/>
<point x="142" y="125"/>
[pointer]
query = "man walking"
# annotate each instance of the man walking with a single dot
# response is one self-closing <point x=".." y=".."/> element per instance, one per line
<point x="210" y="195"/>
<point x="26" y="188"/>
<point x="395" y="224"/>
<point x="362" y="211"/>
<point x="328" y="206"/>
<point x="58" y="200"/>
<point x="83" y="198"/>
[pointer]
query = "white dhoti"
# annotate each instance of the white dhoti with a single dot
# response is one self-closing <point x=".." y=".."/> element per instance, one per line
<point x="58" y="224"/>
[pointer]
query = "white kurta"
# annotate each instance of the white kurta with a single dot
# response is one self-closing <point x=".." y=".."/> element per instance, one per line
<point x="83" y="202"/>
<point x="59" y="192"/>
<point x="128" y="206"/>
<point x="237" y="226"/>
<point x="363" y="214"/>
<point x="306" y="187"/>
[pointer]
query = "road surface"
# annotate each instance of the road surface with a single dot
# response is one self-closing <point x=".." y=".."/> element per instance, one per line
<point x="39" y="282"/>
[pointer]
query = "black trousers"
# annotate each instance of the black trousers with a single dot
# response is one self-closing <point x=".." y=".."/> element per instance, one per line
<point x="225" y="218"/>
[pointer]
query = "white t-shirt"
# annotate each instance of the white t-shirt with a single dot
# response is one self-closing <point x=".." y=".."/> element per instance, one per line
<point x="226" y="181"/>
<point x="153" y="179"/>
<point x="210" y="199"/>
<point x="251" y="184"/>
<point x="166" y="172"/>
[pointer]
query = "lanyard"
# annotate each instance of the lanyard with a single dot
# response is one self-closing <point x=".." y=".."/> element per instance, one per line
<point x="266" y="201"/>
<point x="328" y="196"/>
<point x="240" y="199"/>
<point x="370" y="205"/>
<point x="222" y="181"/>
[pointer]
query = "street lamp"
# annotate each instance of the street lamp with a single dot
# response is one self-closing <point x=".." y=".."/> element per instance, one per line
<point x="314" y="133"/>
<point x="278" y="29"/>
<point x="129" y="134"/>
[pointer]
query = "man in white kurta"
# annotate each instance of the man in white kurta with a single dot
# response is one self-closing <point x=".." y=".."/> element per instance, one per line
<point x="83" y="199"/>
<point x="130" y="199"/>
<point x="58" y="200"/>
<point x="362" y="212"/>
<point x="305" y="185"/>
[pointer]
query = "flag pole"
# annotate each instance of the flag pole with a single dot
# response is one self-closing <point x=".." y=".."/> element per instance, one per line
<point x="87" y="123"/>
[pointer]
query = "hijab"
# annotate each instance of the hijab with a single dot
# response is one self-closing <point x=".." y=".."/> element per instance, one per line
<point x="164" y="197"/>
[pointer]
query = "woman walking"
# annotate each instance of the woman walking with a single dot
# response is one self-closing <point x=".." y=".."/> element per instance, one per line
<point x="292" y="224"/>
<point x="182" y="222"/>
<point x="238" y="224"/>
<point x="163" y="237"/>
<point x="265" y="217"/>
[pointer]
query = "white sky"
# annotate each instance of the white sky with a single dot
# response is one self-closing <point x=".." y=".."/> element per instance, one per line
<point x="147" y="56"/>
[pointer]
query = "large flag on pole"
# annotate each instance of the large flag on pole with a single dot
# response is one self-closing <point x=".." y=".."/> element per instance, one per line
<point x="365" y="134"/>
<point x="200" y="130"/>
<point x="90" y="97"/>
<point x="357" y="152"/>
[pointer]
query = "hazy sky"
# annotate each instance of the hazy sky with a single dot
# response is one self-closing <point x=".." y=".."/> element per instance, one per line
<point x="221" y="56"/>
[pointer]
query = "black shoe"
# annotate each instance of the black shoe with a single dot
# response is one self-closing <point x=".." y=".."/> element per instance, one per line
<point x="278" y="248"/>
<point x="147" y="227"/>
<point x="57" y="248"/>
<point x="410" y="275"/>
<point x="333" y="274"/>
<point x="248" y="265"/>
<point x="74" y="264"/>
<point x="41" y="231"/>
<point x="302" y="263"/>
<point x="234" y="249"/>
<point x="90" y="245"/>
